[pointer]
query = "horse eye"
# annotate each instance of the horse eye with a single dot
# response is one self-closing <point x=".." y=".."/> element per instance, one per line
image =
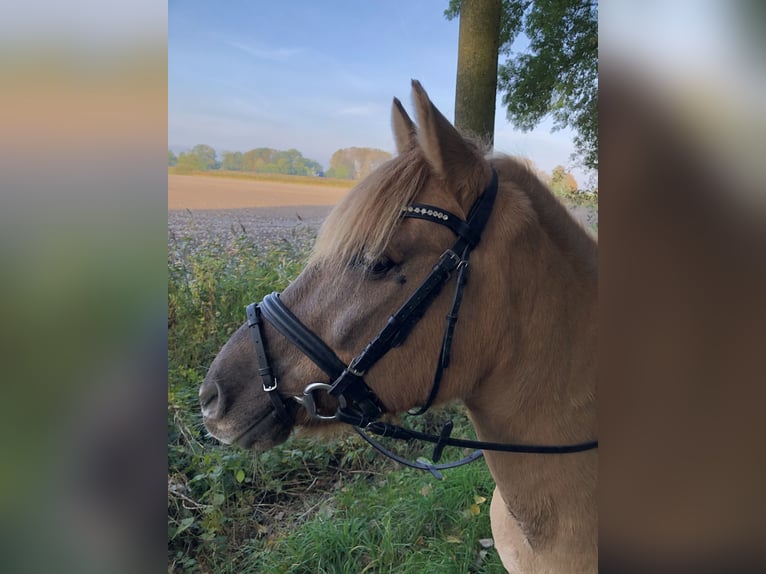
<point x="380" y="267"/>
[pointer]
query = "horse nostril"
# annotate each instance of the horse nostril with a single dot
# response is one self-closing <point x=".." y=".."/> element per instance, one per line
<point x="209" y="400"/>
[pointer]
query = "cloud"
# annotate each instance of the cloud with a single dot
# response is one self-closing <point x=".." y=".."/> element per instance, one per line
<point x="271" y="54"/>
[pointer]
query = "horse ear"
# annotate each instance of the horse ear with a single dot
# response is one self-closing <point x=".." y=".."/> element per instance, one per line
<point x="457" y="162"/>
<point x="405" y="133"/>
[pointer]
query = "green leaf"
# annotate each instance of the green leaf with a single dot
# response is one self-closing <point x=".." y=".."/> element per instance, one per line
<point x="185" y="523"/>
<point x="240" y="475"/>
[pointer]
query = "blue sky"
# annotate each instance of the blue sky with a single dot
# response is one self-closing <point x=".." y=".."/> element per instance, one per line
<point x="318" y="76"/>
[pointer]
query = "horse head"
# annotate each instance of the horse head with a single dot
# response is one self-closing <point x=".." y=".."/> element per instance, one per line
<point x="367" y="261"/>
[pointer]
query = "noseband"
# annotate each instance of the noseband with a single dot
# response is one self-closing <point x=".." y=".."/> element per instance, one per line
<point x="358" y="404"/>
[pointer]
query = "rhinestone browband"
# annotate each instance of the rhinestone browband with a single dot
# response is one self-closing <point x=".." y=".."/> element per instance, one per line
<point x="426" y="211"/>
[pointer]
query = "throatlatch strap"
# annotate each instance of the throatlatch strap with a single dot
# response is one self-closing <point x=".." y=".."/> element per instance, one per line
<point x="469" y="234"/>
<point x="449" y="330"/>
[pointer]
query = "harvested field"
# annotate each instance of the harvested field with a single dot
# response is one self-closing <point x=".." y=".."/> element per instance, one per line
<point x="196" y="192"/>
<point x="261" y="224"/>
<point x="266" y="211"/>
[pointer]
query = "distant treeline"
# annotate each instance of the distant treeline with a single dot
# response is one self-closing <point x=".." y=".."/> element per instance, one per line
<point x="348" y="163"/>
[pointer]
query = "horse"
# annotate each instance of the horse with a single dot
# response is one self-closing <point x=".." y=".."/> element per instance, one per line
<point x="522" y="357"/>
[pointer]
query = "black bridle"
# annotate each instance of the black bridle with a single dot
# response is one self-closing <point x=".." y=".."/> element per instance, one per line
<point x="358" y="404"/>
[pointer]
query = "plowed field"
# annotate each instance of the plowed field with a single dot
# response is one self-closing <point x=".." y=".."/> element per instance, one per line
<point x="196" y="192"/>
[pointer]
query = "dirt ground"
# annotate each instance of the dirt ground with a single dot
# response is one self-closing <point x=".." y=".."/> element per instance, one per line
<point x="220" y="208"/>
<point x="216" y="207"/>
<point x="195" y="192"/>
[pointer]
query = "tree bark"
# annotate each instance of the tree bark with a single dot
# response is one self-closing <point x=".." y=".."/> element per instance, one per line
<point x="476" y="87"/>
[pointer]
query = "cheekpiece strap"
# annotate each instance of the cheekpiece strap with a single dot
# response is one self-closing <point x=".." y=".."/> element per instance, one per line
<point x="268" y="379"/>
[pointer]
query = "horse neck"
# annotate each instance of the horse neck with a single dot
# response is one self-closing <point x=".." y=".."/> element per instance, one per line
<point x="542" y="389"/>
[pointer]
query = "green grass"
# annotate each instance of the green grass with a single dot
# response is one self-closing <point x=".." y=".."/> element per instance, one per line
<point x="402" y="521"/>
<point x="329" y="506"/>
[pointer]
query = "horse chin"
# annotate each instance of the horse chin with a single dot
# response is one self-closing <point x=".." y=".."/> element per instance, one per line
<point x="267" y="433"/>
<point x="260" y="433"/>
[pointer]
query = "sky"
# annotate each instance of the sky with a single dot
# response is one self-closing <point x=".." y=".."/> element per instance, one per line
<point x="320" y="76"/>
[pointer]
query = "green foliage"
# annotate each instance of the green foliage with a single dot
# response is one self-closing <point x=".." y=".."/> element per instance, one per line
<point x="205" y="155"/>
<point x="356" y="162"/>
<point x="562" y="182"/>
<point x="258" y="160"/>
<point x="200" y="158"/>
<point x="306" y="506"/>
<point x="582" y="197"/>
<point x="209" y="285"/>
<point x="267" y="160"/>
<point x="231" y="160"/>
<point x="172" y="158"/>
<point x="342" y="172"/>
<point x="558" y="76"/>
<point x="187" y="163"/>
<point x="211" y="282"/>
<point x="564" y="186"/>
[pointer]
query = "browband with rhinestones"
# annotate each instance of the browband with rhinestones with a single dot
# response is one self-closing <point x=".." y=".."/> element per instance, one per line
<point x="427" y="210"/>
<point x="437" y="215"/>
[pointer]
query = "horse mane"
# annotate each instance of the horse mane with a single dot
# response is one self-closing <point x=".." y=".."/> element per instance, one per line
<point x="566" y="233"/>
<point x="361" y="225"/>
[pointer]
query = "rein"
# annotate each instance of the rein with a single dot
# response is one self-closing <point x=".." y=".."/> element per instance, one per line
<point x="358" y="404"/>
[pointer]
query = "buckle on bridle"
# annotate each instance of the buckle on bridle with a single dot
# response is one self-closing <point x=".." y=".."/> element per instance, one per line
<point x="271" y="387"/>
<point x="453" y="258"/>
<point x="308" y="402"/>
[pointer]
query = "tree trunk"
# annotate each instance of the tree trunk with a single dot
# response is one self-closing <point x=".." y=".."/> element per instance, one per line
<point x="477" y="68"/>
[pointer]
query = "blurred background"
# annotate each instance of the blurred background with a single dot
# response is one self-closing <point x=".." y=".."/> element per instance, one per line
<point x="83" y="222"/>
<point x="681" y="88"/>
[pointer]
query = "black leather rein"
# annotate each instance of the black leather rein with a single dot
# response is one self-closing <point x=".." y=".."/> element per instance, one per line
<point x="358" y="404"/>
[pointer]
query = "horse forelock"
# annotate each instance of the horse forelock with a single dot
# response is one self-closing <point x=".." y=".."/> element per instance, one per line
<point x="361" y="225"/>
